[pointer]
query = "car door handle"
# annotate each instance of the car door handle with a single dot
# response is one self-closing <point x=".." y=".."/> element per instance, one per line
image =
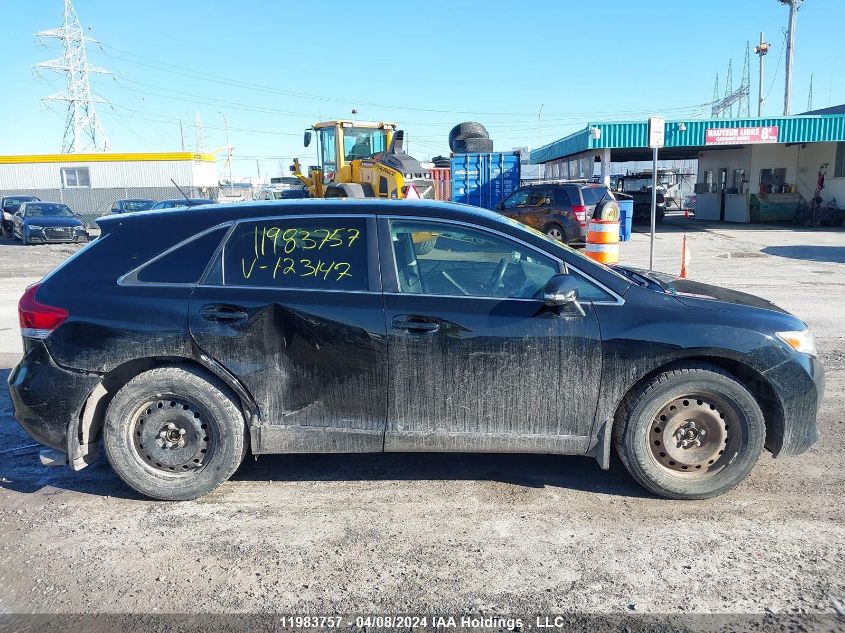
<point x="223" y="313"/>
<point x="415" y="325"/>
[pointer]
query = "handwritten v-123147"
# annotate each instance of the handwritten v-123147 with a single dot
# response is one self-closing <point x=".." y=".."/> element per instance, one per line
<point x="298" y="253"/>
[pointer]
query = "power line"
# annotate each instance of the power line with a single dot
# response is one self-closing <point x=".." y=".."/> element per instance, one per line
<point x="264" y="88"/>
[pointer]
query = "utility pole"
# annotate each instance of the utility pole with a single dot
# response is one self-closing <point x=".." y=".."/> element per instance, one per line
<point x="790" y="46"/>
<point x="182" y="134"/>
<point x="761" y="49"/>
<point x="228" y="154"/>
<point x="83" y="130"/>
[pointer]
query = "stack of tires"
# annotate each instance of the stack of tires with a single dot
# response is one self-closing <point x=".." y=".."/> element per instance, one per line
<point x="470" y="138"/>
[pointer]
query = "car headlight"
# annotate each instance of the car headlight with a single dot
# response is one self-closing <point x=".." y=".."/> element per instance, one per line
<point x="801" y="341"/>
<point x="34" y="227"/>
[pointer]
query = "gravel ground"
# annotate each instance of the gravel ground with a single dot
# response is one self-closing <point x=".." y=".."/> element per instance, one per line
<point x="466" y="533"/>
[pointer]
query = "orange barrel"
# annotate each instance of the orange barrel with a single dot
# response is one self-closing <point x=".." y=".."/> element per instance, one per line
<point x="603" y="232"/>
<point x="603" y="253"/>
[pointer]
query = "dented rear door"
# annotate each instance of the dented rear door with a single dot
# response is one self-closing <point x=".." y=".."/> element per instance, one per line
<point x="292" y="307"/>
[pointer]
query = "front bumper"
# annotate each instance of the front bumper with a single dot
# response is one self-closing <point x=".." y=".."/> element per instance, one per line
<point x="46" y="236"/>
<point x="799" y="388"/>
<point x="47" y="399"/>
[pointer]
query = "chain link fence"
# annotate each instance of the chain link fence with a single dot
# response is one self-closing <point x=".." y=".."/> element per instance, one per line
<point x="94" y="203"/>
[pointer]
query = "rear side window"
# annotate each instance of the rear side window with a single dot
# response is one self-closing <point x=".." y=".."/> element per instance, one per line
<point x="320" y="253"/>
<point x="184" y="264"/>
<point x="574" y="194"/>
<point x="591" y="195"/>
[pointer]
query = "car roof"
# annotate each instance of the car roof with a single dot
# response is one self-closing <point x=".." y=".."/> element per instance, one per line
<point x="213" y="214"/>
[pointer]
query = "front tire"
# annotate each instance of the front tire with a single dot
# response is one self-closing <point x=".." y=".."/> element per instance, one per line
<point x="692" y="432"/>
<point x="174" y="433"/>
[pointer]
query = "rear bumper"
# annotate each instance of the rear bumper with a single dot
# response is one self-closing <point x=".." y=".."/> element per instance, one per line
<point x="47" y="399"/>
<point x="799" y="386"/>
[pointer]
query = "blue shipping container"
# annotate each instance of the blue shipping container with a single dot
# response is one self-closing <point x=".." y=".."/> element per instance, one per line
<point x="484" y="180"/>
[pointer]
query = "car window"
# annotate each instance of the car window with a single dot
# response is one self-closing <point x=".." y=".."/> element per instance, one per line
<point x="541" y="197"/>
<point x="46" y="209"/>
<point x="185" y="264"/>
<point x="591" y="195"/>
<point x="518" y="198"/>
<point x="445" y="259"/>
<point x="319" y="253"/>
<point x="587" y="290"/>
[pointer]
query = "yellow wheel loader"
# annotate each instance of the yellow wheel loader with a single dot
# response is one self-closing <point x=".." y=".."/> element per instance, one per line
<point x="363" y="160"/>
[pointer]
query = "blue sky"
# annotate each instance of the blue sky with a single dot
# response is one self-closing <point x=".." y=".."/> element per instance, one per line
<point x="274" y="68"/>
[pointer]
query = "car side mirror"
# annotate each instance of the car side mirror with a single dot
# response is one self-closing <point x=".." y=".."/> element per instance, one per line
<point x="561" y="291"/>
<point x="19" y="214"/>
<point x="306" y="139"/>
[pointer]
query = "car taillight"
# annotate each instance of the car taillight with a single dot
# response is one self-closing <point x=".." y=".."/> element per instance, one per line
<point x="38" y="320"/>
<point x="580" y="212"/>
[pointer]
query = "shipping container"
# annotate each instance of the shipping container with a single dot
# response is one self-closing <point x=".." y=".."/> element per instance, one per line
<point x="442" y="177"/>
<point x="484" y="180"/>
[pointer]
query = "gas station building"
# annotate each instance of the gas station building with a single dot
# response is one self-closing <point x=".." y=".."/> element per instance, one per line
<point x="742" y="163"/>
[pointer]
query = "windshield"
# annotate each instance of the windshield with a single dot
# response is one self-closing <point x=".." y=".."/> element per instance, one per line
<point x="13" y="204"/>
<point x="137" y="205"/>
<point x="363" y="143"/>
<point x="47" y="210"/>
<point x="633" y="185"/>
<point x="559" y="245"/>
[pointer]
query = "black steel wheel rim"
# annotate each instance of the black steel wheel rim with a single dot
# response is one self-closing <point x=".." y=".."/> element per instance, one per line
<point x="173" y="435"/>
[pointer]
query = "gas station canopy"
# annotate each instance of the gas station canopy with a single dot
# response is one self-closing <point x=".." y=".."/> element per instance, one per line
<point x="686" y="139"/>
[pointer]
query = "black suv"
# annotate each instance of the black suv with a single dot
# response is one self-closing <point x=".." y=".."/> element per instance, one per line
<point x="367" y="326"/>
<point x="560" y="210"/>
<point x="9" y="206"/>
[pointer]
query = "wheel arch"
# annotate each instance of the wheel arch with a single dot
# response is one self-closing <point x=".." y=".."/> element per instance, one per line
<point x="752" y="379"/>
<point x="84" y="432"/>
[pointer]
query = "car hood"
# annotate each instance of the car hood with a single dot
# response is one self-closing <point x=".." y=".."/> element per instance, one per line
<point x="48" y="221"/>
<point x="692" y="293"/>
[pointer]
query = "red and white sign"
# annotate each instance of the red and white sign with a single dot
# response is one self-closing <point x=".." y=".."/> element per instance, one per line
<point x="741" y="135"/>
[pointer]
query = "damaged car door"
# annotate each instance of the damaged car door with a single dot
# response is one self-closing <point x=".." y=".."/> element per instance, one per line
<point x="478" y="361"/>
<point x="292" y="307"/>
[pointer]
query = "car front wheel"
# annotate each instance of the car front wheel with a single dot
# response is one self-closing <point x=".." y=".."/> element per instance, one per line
<point x="692" y="432"/>
<point x="174" y="433"/>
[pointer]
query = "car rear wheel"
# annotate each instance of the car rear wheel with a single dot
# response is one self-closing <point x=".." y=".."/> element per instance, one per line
<point x="174" y="433"/>
<point x="555" y="231"/>
<point x="692" y="432"/>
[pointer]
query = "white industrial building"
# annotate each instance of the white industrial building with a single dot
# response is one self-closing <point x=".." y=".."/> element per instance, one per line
<point x="90" y="183"/>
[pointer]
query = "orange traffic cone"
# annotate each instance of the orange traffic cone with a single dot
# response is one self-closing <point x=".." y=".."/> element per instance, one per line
<point x="684" y="259"/>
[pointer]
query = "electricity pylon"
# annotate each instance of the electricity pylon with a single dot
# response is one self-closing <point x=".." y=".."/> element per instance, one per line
<point x="83" y="130"/>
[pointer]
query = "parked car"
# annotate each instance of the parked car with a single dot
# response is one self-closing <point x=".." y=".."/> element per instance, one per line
<point x="10" y="206"/>
<point x="286" y="193"/>
<point x="46" y="222"/>
<point x="130" y="205"/>
<point x="176" y="203"/>
<point x="561" y="210"/>
<point x="321" y="326"/>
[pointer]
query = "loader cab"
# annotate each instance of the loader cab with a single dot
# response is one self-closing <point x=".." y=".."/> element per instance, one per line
<point x="341" y="142"/>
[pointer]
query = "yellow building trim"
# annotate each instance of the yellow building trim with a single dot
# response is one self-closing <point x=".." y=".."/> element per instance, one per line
<point x="105" y="157"/>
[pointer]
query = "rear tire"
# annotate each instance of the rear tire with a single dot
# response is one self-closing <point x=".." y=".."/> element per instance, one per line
<point x="555" y="231"/>
<point x="692" y="432"/>
<point x="469" y="129"/>
<point x="472" y="145"/>
<point x="174" y="433"/>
